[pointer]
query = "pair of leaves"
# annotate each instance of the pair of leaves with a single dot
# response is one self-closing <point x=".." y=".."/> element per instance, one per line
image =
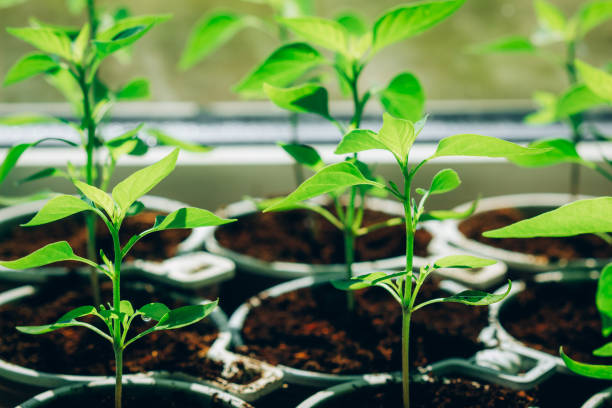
<point x="125" y="32"/>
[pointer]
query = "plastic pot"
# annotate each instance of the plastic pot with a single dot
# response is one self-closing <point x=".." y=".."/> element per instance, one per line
<point x="191" y="268"/>
<point x="598" y="400"/>
<point x="293" y="270"/>
<point x="270" y="378"/>
<point x="449" y="230"/>
<point x="198" y="393"/>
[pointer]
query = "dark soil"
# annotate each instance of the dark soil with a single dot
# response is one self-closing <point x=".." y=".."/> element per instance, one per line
<point x="18" y="241"/>
<point x="289" y="236"/>
<point x="548" y="316"/>
<point x="550" y="249"/>
<point x="309" y="329"/>
<point x="80" y="351"/>
<point x="152" y="398"/>
<point x="563" y="390"/>
<point x="445" y="393"/>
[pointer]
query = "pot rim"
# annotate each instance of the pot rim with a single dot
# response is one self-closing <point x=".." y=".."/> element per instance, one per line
<point x="449" y="229"/>
<point x="185" y="387"/>
<point x="293" y="270"/>
<point x="597" y="400"/>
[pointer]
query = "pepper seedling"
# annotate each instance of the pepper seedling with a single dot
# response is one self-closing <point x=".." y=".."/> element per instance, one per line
<point x="569" y="107"/>
<point x="397" y="137"/>
<point x="112" y="210"/>
<point x="69" y="59"/>
<point x="591" y="216"/>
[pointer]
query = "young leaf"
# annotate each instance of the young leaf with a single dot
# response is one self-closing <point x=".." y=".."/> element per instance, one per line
<point x="561" y="151"/>
<point x="28" y="119"/>
<point x="480" y="146"/>
<point x="362" y="281"/>
<point x="463" y="261"/>
<point x="603" y="351"/>
<point x="328" y="179"/>
<point x="57" y="208"/>
<point x="287" y="64"/>
<point x="125" y="32"/>
<point x="440" y="215"/>
<point x="577" y="99"/>
<point x="550" y="18"/>
<point x="306" y="98"/>
<point x="397" y="135"/>
<point x="579" y="217"/>
<point x="444" y="181"/>
<point x="404" y="97"/>
<point x="154" y="311"/>
<point x="67" y="320"/>
<point x="29" y="66"/>
<point x="547" y="112"/>
<point x="142" y="181"/>
<point x="601" y="372"/>
<point x="320" y="31"/>
<point x="359" y="140"/>
<point x="304" y="155"/>
<point x="477" y="297"/>
<point x="512" y="44"/>
<point x="592" y="14"/>
<point x="46" y="39"/>
<point x="56" y="252"/>
<point x="134" y="90"/>
<point x="208" y="34"/>
<point x="410" y="20"/>
<point x="185" y="316"/>
<point x="598" y="81"/>
<point x="603" y="300"/>
<point x="186" y="218"/>
<point x="79" y="46"/>
<point x="354" y="23"/>
<point x="167" y="140"/>
<point x="99" y="197"/>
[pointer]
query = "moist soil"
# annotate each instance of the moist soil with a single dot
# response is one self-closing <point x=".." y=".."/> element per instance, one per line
<point x="310" y="329"/>
<point x="79" y="351"/>
<point x="18" y="241"/>
<point x="306" y="237"/>
<point x="444" y="393"/>
<point x="548" y="316"/>
<point x="550" y="249"/>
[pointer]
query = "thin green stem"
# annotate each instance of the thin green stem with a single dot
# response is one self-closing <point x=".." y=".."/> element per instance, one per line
<point x="349" y="242"/>
<point x="118" y="375"/>
<point x="93" y="20"/>
<point x="406" y="315"/>
<point x="576" y="120"/>
<point x="117" y="335"/>
<point x="407" y="292"/>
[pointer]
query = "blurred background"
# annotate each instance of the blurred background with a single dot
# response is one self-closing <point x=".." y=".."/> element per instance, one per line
<point x="439" y="57"/>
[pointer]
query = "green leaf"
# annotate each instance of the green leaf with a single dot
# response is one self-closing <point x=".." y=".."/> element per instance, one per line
<point x="99" y="197"/>
<point x="125" y="32"/>
<point x="134" y="90"/>
<point x="142" y="181"/>
<point x="330" y="178"/>
<point x="463" y="261"/>
<point x="577" y="99"/>
<point x="281" y="69"/>
<point x="440" y="215"/>
<point x="561" y="151"/>
<point x="209" y="33"/>
<point x="154" y="310"/>
<point x="353" y="23"/>
<point x="320" y="31"/>
<point x="587" y="370"/>
<point x="444" y="181"/>
<point x="604" y="351"/>
<point x="512" y="44"/>
<point x="185" y="316"/>
<point x="167" y="140"/>
<point x="79" y="46"/>
<point x="56" y="252"/>
<point x="404" y="97"/>
<point x="362" y="281"/>
<point x="551" y="19"/>
<point x="359" y="140"/>
<point x="306" y="98"/>
<point x="477" y="297"/>
<point x="29" y="66"/>
<point x="67" y="320"/>
<point x="46" y="39"/>
<point x="480" y="146"/>
<point x="397" y="135"/>
<point x="603" y="300"/>
<point x="411" y="19"/>
<point x="304" y="155"/>
<point x="125" y="143"/>
<point x="593" y="14"/>
<point x="598" y="81"/>
<point x="547" y="112"/>
<point x="28" y="119"/>
<point x="189" y="217"/>
<point x="136" y="208"/>
<point x="57" y="208"/>
<point x="579" y="217"/>
<point x="40" y="195"/>
<point x="126" y="310"/>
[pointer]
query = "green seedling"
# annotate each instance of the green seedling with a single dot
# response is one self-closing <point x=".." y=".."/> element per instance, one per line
<point x="397" y="137"/>
<point x="69" y="58"/>
<point x="112" y="210"/>
<point x="285" y="78"/>
<point x="590" y="216"/>
<point x="570" y="107"/>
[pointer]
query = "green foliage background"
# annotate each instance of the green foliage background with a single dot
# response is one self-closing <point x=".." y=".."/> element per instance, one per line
<point x="437" y="57"/>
